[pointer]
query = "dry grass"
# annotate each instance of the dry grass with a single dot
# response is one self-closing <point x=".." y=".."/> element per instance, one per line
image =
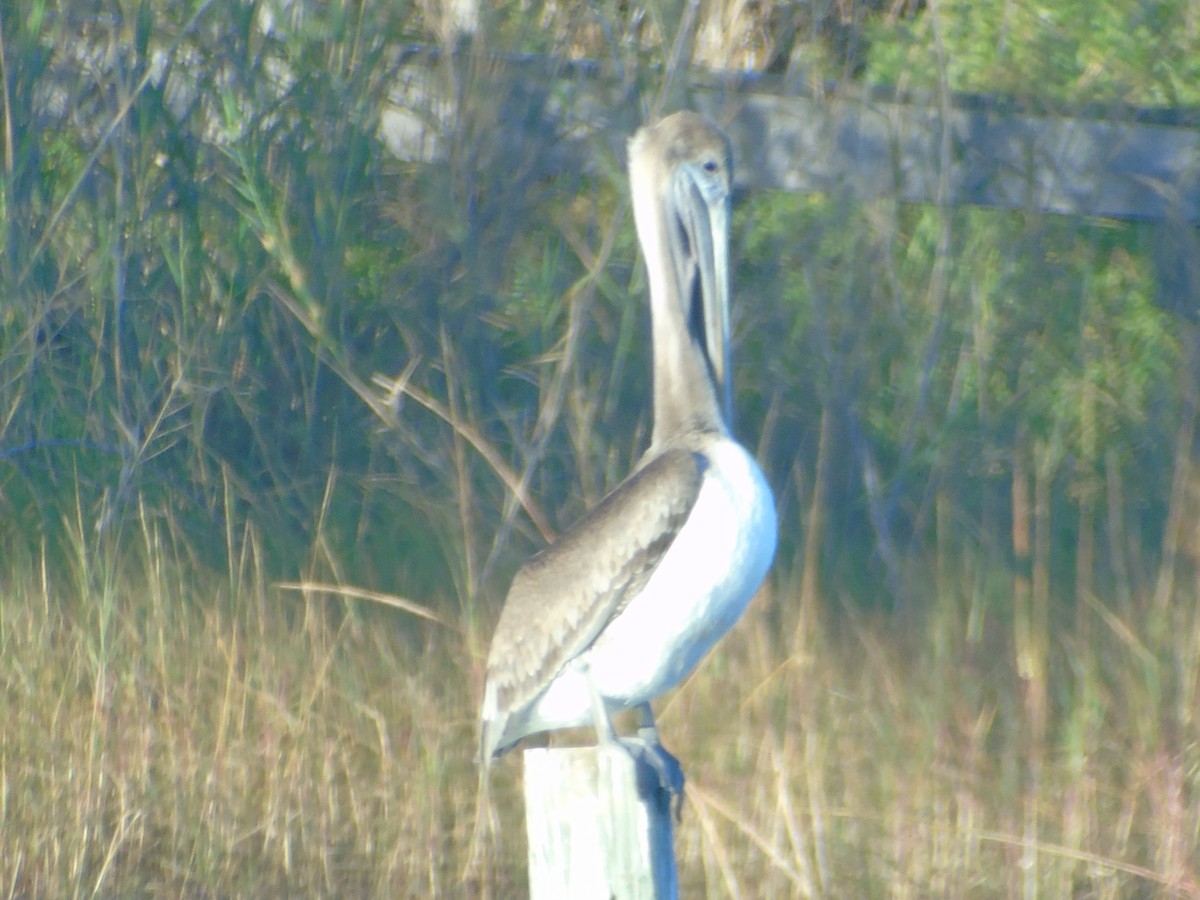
<point x="174" y="734"/>
<point x="873" y="762"/>
<point x="168" y="735"/>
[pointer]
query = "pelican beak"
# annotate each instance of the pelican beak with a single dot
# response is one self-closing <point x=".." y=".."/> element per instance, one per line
<point x="702" y="267"/>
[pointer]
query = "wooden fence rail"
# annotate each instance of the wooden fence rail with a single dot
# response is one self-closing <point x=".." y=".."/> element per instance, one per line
<point x="1116" y="162"/>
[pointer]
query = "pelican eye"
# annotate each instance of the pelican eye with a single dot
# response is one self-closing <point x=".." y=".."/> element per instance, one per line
<point x="711" y="166"/>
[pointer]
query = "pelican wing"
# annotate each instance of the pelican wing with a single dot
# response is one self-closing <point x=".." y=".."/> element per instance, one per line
<point x="563" y="597"/>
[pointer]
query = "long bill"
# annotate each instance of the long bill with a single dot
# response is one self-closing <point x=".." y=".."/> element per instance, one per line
<point x="701" y="255"/>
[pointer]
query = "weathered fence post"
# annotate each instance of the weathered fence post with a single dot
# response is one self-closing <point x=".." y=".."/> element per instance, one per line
<point x="592" y="833"/>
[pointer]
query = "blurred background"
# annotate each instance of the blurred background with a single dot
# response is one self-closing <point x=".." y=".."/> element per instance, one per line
<point x="318" y="318"/>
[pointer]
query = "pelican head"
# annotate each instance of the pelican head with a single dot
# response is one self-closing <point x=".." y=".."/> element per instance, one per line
<point x="681" y="175"/>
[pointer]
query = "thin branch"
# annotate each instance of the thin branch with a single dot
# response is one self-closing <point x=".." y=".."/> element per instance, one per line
<point x="391" y="600"/>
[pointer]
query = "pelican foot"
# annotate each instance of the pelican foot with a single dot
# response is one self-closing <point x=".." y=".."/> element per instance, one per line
<point x="661" y="778"/>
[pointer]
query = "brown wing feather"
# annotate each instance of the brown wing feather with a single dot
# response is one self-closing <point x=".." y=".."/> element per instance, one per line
<point x="563" y="597"/>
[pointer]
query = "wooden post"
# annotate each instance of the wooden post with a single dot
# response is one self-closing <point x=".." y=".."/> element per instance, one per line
<point x="591" y="832"/>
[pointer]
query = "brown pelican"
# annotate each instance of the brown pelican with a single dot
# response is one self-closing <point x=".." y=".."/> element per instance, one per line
<point x="626" y="602"/>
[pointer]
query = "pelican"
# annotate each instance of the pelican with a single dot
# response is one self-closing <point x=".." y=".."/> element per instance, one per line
<point x="623" y="606"/>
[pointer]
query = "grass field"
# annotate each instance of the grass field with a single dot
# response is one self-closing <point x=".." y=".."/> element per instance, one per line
<point x="173" y="735"/>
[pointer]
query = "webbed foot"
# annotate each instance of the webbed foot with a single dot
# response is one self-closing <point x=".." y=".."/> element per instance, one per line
<point x="661" y="778"/>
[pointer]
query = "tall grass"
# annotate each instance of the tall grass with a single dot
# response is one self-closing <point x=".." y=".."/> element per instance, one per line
<point x="169" y="733"/>
<point x="174" y="734"/>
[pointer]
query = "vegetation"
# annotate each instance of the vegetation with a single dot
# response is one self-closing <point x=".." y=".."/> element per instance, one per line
<point x="281" y="412"/>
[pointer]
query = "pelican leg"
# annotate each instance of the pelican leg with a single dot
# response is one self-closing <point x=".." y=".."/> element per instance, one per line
<point x="670" y="772"/>
<point x="645" y="748"/>
<point x="605" y="733"/>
